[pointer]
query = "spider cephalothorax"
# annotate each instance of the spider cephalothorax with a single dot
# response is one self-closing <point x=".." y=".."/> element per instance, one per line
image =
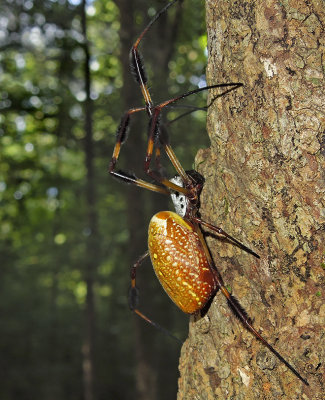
<point x="183" y="204"/>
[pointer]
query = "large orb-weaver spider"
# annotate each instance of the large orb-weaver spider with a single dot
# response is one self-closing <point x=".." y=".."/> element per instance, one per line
<point x="176" y="244"/>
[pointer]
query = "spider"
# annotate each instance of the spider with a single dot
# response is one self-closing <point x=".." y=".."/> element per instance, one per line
<point x="176" y="244"/>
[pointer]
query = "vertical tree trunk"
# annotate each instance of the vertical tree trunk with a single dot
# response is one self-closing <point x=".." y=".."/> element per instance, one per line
<point x="145" y="378"/>
<point x="265" y="186"/>
<point x="92" y="250"/>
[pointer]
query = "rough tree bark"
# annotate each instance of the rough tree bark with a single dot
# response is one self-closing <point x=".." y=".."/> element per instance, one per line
<point x="264" y="185"/>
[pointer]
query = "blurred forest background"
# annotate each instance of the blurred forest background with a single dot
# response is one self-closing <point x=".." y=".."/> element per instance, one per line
<point x="69" y="232"/>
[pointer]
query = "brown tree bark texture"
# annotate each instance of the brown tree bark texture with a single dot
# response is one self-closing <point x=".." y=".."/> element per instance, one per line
<point x="265" y="173"/>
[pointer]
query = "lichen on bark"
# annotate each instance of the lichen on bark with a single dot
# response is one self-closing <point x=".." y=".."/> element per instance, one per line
<point x="265" y="185"/>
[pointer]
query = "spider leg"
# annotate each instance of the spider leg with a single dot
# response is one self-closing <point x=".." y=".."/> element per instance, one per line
<point x="247" y="322"/>
<point x="236" y="307"/>
<point x="131" y="178"/>
<point x="121" y="136"/>
<point x="137" y="67"/>
<point x="195" y="108"/>
<point x="235" y="86"/>
<point x="232" y="85"/>
<point x="225" y="234"/>
<point x="134" y="298"/>
<point x="154" y="135"/>
<point x="164" y="139"/>
<point x="158" y="165"/>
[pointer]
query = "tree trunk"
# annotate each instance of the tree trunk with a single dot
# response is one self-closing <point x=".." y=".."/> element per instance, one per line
<point x="92" y="247"/>
<point x="265" y="186"/>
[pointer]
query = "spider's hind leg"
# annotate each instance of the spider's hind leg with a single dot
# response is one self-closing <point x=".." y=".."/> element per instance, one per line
<point x="133" y="298"/>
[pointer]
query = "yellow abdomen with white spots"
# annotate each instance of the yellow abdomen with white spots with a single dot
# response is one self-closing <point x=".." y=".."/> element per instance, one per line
<point x="179" y="261"/>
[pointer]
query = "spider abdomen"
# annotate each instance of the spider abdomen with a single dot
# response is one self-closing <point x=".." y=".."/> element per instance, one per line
<point x="179" y="261"/>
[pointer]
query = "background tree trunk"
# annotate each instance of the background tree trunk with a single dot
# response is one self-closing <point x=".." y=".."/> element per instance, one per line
<point x="92" y="242"/>
<point x="152" y="364"/>
<point x="264" y="185"/>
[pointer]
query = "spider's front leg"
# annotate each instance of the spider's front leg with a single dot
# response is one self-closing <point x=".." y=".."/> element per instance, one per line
<point x="155" y="136"/>
<point x="121" y="137"/>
